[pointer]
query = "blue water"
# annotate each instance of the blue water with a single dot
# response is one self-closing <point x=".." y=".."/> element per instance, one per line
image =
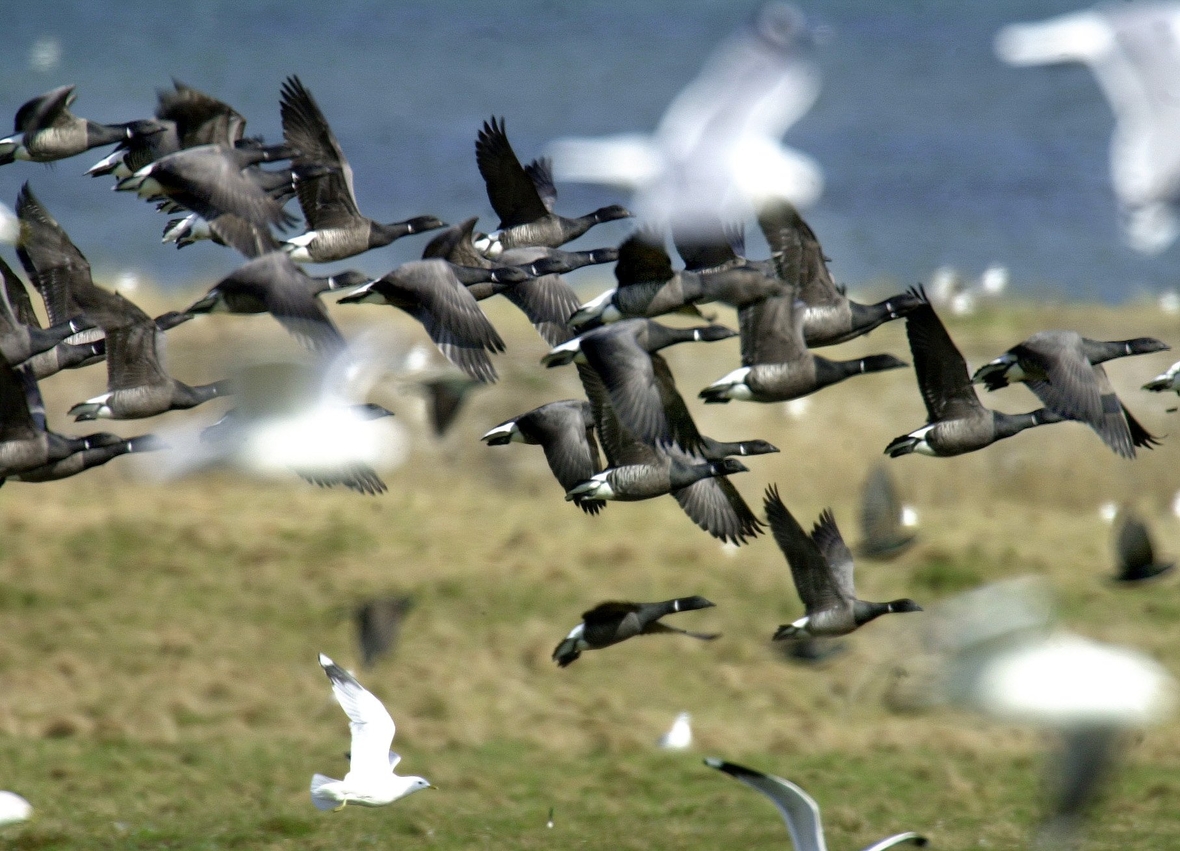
<point x="933" y="152"/>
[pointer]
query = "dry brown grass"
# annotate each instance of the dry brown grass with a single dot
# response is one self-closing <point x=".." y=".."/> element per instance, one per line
<point x="165" y="634"/>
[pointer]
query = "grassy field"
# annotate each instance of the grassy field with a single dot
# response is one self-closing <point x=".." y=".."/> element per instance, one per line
<point x="158" y="640"/>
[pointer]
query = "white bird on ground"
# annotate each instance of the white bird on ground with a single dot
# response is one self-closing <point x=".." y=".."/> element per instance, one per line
<point x="798" y="809"/>
<point x="370" y="781"/>
<point x="13" y="809"/>
<point x="1134" y="53"/>
<point x="719" y="142"/>
<point x="679" y="736"/>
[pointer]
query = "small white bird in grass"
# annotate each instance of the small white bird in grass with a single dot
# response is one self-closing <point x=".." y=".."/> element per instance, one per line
<point x="370" y="781"/>
<point x="679" y="737"/>
<point x="13" y="809"/>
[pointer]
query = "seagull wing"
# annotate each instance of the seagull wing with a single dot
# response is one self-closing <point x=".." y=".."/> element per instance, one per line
<point x="371" y="725"/>
<point x="798" y="809"/>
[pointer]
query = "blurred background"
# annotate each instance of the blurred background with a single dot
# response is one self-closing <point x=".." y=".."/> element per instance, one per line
<point x="933" y="151"/>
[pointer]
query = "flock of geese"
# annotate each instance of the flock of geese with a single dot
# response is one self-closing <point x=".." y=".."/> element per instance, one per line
<point x="194" y="162"/>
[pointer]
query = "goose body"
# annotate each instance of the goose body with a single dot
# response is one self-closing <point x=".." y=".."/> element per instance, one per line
<point x="612" y="622"/>
<point x="430" y="291"/>
<point x="829" y="316"/>
<point x="523" y="198"/>
<point x="776" y="363"/>
<point x="1064" y="370"/>
<point x="956" y="420"/>
<point x="821" y="568"/>
<point x="335" y="227"/>
<point x="45" y="130"/>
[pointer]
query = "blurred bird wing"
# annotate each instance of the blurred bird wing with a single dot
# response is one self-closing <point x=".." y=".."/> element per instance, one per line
<point x="798" y="809"/>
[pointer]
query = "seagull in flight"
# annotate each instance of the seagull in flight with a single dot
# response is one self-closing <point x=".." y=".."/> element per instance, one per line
<point x="370" y="781"/>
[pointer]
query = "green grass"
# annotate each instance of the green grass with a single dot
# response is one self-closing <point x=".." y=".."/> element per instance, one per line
<point x="158" y="641"/>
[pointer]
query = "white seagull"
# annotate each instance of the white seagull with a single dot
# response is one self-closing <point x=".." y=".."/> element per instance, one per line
<point x="718" y="146"/>
<point x="14" y="809"/>
<point x="1133" y="50"/>
<point x="370" y="781"/>
<point x="799" y="810"/>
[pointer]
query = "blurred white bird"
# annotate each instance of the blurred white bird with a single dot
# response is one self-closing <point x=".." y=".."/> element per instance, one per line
<point x="679" y="736"/>
<point x="370" y="780"/>
<point x="717" y="149"/>
<point x="9" y="226"/>
<point x="1133" y="49"/>
<point x="13" y="809"/>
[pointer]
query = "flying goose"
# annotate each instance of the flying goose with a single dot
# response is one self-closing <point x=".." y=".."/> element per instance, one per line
<point x="648" y="286"/>
<point x="430" y="291"/>
<point x="378" y="624"/>
<point x="25" y="443"/>
<point x="211" y="180"/>
<point x="1136" y="555"/>
<point x="335" y="227"/>
<point x="956" y="421"/>
<point x="638" y="470"/>
<point x="185" y="118"/>
<point x="798" y="809"/>
<point x="445" y="395"/>
<point x="565" y="431"/>
<point x="137" y="384"/>
<point x="821" y="568"/>
<point x="82" y="460"/>
<point x="540" y="293"/>
<point x="882" y="534"/>
<point x="273" y="283"/>
<point x="370" y="781"/>
<point x="776" y="363"/>
<point x="1064" y="370"/>
<point x="20" y="341"/>
<point x="45" y="130"/>
<point x="614" y="621"/>
<point x="523" y="198"/>
<point x="624" y="355"/>
<point x="829" y="317"/>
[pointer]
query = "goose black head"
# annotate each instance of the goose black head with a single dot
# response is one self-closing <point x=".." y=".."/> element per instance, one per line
<point x="905" y="605"/>
<point x="712" y="333"/>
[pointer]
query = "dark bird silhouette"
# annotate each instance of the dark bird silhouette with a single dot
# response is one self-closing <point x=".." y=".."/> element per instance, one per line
<point x="611" y="622"/>
<point x="378" y="625"/>
<point x="1135" y="553"/>
<point x="883" y="536"/>
<point x="956" y="422"/>
<point x="523" y="198"/>
<point x="821" y="568"/>
<point x="1064" y="370"/>
<point x="335" y="227"/>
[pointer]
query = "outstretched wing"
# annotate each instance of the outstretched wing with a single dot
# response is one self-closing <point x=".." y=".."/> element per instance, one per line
<point x="371" y="725"/>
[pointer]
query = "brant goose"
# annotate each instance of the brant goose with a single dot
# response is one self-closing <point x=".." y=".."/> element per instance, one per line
<point x="335" y="227"/>
<point x="1063" y="369"/>
<point x="829" y="317"/>
<point x="523" y="198"/>
<point x="614" y="621"/>
<point x="956" y="422"/>
<point x="1136" y="555"/>
<point x="45" y="130"/>
<point x="821" y="567"/>
<point x="431" y="292"/>
<point x="776" y="363"/>
<point x="882" y="531"/>
<point x="378" y="624"/>
<point x="370" y="781"/>
<point x="137" y="384"/>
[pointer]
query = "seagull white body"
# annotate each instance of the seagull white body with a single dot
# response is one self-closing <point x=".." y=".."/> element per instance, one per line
<point x="13" y="809"/>
<point x="679" y="737"/>
<point x="370" y="781"/>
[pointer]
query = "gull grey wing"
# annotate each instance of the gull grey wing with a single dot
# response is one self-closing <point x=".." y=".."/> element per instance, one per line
<point x="798" y="809"/>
